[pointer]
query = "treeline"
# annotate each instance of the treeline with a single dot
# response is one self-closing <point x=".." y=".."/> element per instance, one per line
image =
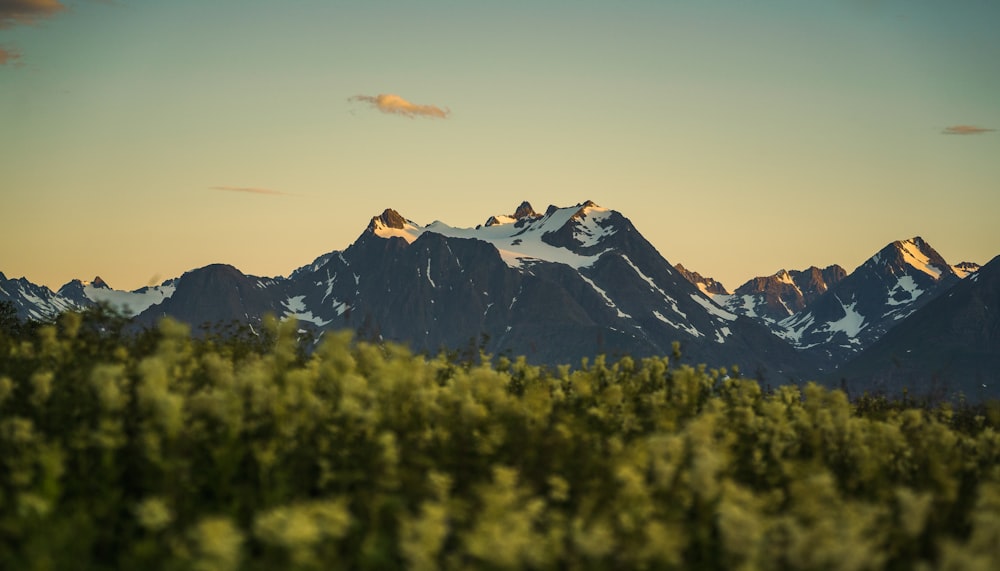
<point x="164" y="451"/>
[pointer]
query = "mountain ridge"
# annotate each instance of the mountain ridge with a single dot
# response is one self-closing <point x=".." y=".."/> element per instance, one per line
<point x="572" y="282"/>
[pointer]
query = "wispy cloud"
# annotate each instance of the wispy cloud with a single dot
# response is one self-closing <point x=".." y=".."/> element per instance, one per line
<point x="966" y="130"/>
<point x="389" y="103"/>
<point x="19" y="12"/>
<point x="14" y="12"/>
<point x="251" y="190"/>
<point x="8" y="56"/>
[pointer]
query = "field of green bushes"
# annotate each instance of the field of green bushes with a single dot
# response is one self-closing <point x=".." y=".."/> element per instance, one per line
<point x="165" y="450"/>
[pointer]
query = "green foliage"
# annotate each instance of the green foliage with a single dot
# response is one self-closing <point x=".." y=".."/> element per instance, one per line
<point x="166" y="451"/>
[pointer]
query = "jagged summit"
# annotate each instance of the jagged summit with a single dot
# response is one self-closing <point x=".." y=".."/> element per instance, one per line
<point x="391" y="224"/>
<point x="522" y="213"/>
<point x="388" y="219"/>
<point x="965" y="269"/>
<point x="524" y="210"/>
<point x="574" y="235"/>
<point x="915" y="253"/>
<point x="708" y="286"/>
<point x="99" y="283"/>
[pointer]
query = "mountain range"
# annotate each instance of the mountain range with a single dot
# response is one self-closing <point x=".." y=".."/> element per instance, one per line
<point x="575" y="282"/>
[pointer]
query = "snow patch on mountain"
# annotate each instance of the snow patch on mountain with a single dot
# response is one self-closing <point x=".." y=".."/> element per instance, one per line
<point x="133" y="302"/>
<point x="501" y="219"/>
<point x="408" y="232"/>
<point x="722" y="333"/>
<point x="520" y="242"/>
<point x="905" y="284"/>
<point x="913" y="256"/>
<point x="747" y="305"/>
<point x="428" y="272"/>
<point x="588" y="230"/>
<point x="851" y="324"/>
<point x="679" y="326"/>
<point x="607" y="298"/>
<point x="792" y="328"/>
<point x="712" y="308"/>
<point x="295" y="307"/>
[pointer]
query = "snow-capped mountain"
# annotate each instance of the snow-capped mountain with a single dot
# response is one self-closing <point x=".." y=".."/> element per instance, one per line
<point x="555" y="287"/>
<point x="835" y="315"/>
<point x="949" y="346"/>
<point x="41" y="303"/>
<point x="33" y="301"/>
<point x="861" y="307"/>
<point x="129" y="302"/>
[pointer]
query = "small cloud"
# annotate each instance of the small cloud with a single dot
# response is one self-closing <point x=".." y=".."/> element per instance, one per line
<point x="389" y="103"/>
<point x="8" y="56"/>
<point x="15" y="12"/>
<point x="251" y="190"/>
<point x="21" y="12"/>
<point x="965" y="130"/>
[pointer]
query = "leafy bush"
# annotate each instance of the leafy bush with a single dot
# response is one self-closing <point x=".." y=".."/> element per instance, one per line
<point x="165" y="451"/>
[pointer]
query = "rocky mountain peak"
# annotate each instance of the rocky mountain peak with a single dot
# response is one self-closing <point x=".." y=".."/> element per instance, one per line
<point x="99" y="283"/>
<point x="914" y="253"/>
<point x="582" y="208"/>
<point x="524" y="210"/>
<point x="814" y="282"/>
<point x="965" y="269"/>
<point x="708" y="286"/>
<point x="388" y="219"/>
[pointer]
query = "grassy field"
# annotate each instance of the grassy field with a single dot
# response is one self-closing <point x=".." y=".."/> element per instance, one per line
<point x="163" y="451"/>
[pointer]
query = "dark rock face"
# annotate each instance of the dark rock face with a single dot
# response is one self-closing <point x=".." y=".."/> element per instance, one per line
<point x="388" y="219"/>
<point x="778" y="295"/>
<point x="217" y="294"/>
<point x="814" y="282"/>
<point x="524" y="210"/>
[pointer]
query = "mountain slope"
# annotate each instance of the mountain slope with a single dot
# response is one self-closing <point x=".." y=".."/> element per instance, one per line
<point x="216" y="294"/>
<point x="33" y="301"/>
<point x="950" y="345"/>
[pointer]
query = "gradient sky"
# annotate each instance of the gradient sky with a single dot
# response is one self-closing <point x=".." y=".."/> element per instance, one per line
<point x="144" y="138"/>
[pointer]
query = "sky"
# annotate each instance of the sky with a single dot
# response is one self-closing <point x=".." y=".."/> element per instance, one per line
<point x="142" y="138"/>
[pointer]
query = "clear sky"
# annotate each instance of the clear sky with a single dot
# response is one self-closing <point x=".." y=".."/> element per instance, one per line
<point x="144" y="138"/>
